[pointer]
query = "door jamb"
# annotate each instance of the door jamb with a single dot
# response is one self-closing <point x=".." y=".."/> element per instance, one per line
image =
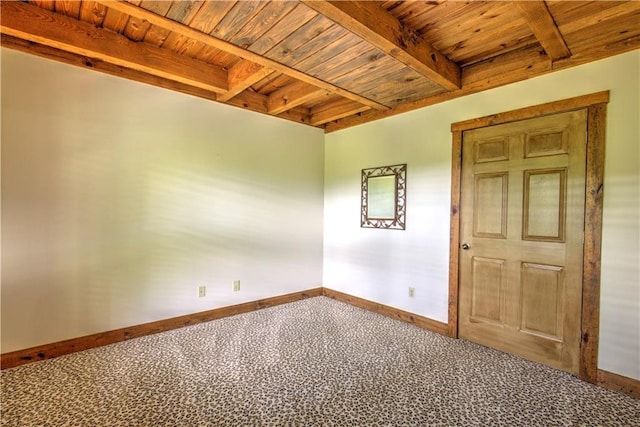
<point x="596" y="106"/>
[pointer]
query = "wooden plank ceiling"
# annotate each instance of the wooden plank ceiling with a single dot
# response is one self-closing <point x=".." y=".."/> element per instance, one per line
<point x="329" y="64"/>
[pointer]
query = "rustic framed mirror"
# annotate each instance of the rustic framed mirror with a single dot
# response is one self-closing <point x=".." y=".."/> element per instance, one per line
<point x="384" y="195"/>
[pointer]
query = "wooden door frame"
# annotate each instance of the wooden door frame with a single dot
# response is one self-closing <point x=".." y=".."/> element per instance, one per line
<point x="596" y="106"/>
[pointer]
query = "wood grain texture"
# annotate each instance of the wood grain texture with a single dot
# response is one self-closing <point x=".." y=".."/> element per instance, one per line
<point x="241" y="76"/>
<point x="289" y="25"/>
<point x="394" y="313"/>
<point x="544" y="28"/>
<point x="228" y="47"/>
<point x="114" y="20"/>
<point x="209" y="14"/>
<point x="50" y="351"/>
<point x="488" y="44"/>
<point x="32" y="23"/>
<point x="596" y="105"/>
<point x="184" y="11"/>
<point x="293" y="95"/>
<point x="136" y="29"/>
<point x="622" y="384"/>
<point x="328" y="50"/>
<point x="262" y="22"/>
<point x="520" y="289"/>
<point x="589" y="16"/>
<point x="597" y="119"/>
<point x="57" y="349"/>
<point x="562" y="105"/>
<point x="374" y="24"/>
<point x="509" y="68"/>
<point x="156" y="35"/>
<point x="93" y="12"/>
<point x="303" y="40"/>
<point x="343" y="59"/>
<point x="454" y="233"/>
<point x="335" y="110"/>
<point x="69" y="8"/>
<point x="489" y="29"/>
<point x="240" y="14"/>
<point x="45" y="4"/>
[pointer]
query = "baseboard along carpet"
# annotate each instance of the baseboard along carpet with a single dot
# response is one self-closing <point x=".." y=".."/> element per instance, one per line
<point x="315" y="362"/>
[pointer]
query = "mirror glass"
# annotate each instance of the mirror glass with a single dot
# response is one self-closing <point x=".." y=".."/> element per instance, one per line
<point x="382" y="197"/>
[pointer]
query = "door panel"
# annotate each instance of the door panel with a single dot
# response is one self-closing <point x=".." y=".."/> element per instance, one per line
<point x="490" y="210"/>
<point x="491" y="150"/>
<point x="545" y="142"/>
<point x="487" y="280"/>
<point x="544" y="205"/>
<point x="522" y="215"/>
<point x="542" y="290"/>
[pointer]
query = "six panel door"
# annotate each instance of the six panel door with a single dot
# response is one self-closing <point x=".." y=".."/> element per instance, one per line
<point x="522" y="224"/>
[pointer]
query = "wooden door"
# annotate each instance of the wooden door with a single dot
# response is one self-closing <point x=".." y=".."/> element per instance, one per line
<point x="522" y="230"/>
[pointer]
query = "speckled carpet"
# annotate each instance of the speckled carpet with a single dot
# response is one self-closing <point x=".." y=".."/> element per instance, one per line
<point x="309" y="363"/>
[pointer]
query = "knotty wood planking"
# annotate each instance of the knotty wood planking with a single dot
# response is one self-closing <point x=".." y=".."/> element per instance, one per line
<point x="241" y="13"/>
<point x="374" y="24"/>
<point x="236" y="50"/>
<point x="389" y="56"/>
<point x="210" y="14"/>
<point x="313" y="36"/>
<point x="514" y="66"/>
<point x="261" y="22"/>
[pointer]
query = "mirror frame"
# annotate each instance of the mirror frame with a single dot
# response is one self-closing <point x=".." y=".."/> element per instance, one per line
<point x="400" y="199"/>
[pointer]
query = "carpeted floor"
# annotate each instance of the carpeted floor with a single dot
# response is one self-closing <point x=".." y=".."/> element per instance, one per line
<point x="310" y="363"/>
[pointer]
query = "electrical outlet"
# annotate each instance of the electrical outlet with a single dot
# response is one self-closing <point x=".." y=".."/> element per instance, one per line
<point x="236" y="286"/>
<point x="412" y="292"/>
<point x="202" y="291"/>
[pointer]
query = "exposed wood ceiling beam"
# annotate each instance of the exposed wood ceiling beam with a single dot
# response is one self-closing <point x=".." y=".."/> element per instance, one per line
<point x="29" y="22"/>
<point x="228" y="47"/>
<point x="509" y="68"/>
<point x="293" y="95"/>
<point x="335" y="110"/>
<point x="241" y="76"/>
<point x="544" y="28"/>
<point x="369" y="21"/>
<point x="246" y="100"/>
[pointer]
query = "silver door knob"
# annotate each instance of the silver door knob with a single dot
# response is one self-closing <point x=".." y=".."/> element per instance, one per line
<point x="465" y="246"/>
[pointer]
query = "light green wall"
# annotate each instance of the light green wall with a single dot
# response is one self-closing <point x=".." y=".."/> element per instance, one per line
<point x="380" y="265"/>
<point x="120" y="199"/>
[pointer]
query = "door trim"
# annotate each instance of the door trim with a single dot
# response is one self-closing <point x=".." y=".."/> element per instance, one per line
<point x="596" y="106"/>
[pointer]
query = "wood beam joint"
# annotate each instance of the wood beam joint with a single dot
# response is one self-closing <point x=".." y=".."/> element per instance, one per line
<point x="335" y="110"/>
<point x="242" y="76"/>
<point x="544" y="28"/>
<point x="369" y="21"/>
<point x="292" y="96"/>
